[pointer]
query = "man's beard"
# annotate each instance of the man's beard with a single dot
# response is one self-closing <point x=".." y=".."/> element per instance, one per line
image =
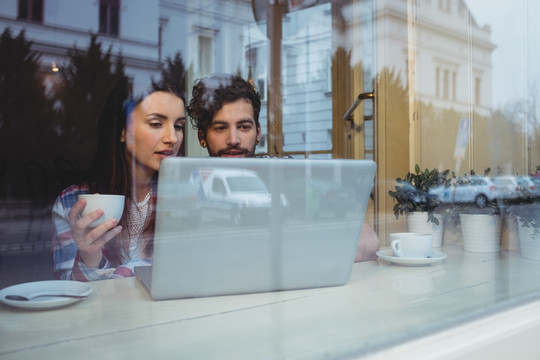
<point x="244" y="151"/>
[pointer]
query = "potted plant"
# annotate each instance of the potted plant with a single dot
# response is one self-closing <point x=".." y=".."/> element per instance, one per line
<point x="474" y="204"/>
<point x="525" y="208"/>
<point x="411" y="197"/>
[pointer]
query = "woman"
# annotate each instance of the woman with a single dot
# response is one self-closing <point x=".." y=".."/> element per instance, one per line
<point x="129" y="153"/>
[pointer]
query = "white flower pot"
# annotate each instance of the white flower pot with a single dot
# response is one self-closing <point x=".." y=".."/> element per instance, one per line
<point x="529" y="242"/>
<point x="417" y="222"/>
<point x="481" y="232"/>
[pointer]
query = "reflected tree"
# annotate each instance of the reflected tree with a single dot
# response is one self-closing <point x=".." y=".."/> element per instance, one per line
<point x="173" y="75"/>
<point x="25" y="112"/>
<point x="86" y="81"/>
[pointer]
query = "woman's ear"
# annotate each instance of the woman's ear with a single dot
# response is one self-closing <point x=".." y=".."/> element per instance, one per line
<point x="123" y="136"/>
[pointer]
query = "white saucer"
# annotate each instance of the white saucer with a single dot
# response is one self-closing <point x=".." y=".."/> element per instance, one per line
<point x="435" y="257"/>
<point x="44" y="287"/>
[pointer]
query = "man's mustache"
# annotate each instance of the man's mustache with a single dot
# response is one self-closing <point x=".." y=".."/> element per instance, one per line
<point x="230" y="148"/>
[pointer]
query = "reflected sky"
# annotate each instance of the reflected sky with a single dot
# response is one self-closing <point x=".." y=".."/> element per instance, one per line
<point x="514" y="32"/>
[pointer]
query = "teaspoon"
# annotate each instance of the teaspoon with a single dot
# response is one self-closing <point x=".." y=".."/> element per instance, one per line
<point x="25" y="298"/>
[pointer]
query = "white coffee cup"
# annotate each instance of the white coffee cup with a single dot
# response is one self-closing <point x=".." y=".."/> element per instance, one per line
<point x="411" y="245"/>
<point x="111" y="205"/>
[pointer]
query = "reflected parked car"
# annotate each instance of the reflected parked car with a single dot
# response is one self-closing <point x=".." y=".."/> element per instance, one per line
<point x="179" y="200"/>
<point x="321" y="197"/>
<point x="477" y="189"/>
<point x="529" y="186"/>
<point x="413" y="194"/>
<point x="238" y="195"/>
<point x="506" y="187"/>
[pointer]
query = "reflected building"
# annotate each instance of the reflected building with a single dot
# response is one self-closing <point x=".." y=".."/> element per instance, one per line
<point x="451" y="67"/>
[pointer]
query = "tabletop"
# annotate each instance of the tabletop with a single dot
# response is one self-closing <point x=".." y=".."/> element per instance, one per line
<point x="383" y="304"/>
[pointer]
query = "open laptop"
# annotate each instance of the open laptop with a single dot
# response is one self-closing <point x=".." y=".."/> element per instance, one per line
<point x="233" y="226"/>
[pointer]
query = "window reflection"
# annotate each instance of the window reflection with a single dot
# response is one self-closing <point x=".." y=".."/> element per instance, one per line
<point x="431" y="67"/>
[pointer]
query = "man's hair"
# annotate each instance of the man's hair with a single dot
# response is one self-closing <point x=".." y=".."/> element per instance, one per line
<point x="211" y="93"/>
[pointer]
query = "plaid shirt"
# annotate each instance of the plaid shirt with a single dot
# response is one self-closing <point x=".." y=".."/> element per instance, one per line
<point x="67" y="265"/>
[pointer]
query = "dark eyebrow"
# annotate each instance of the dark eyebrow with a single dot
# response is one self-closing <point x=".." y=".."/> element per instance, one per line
<point x="161" y="116"/>
<point x="218" y="122"/>
<point x="246" y="120"/>
<point x="241" y="121"/>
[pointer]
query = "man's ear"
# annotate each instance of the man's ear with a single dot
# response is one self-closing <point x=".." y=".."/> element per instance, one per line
<point x="259" y="132"/>
<point x="201" y="135"/>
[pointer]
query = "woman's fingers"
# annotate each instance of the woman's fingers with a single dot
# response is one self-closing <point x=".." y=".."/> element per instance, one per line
<point x="90" y="240"/>
<point x="109" y="235"/>
<point x="82" y="222"/>
<point x="100" y="235"/>
<point x="85" y="221"/>
<point x="76" y="210"/>
<point x="90" y="245"/>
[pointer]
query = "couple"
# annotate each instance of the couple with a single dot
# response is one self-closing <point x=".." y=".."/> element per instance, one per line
<point x="225" y="111"/>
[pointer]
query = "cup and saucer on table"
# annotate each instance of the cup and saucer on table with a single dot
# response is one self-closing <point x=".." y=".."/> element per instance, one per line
<point x="411" y="249"/>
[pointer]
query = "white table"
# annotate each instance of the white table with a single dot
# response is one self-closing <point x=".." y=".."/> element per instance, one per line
<point x="382" y="306"/>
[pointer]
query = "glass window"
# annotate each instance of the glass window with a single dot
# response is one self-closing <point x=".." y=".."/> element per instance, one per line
<point x="206" y="55"/>
<point x="31" y="10"/>
<point x="109" y="17"/>
<point x="416" y="86"/>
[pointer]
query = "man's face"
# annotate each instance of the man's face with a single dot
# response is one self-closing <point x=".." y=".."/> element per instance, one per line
<point x="233" y="132"/>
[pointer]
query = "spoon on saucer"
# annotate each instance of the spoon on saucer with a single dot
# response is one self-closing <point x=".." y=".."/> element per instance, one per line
<point x="28" y="298"/>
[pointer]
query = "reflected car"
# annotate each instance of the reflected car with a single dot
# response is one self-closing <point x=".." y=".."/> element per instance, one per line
<point x="413" y="194"/>
<point x="319" y="197"/>
<point x="180" y="200"/>
<point x="238" y="195"/>
<point x="506" y="187"/>
<point x="478" y="190"/>
<point x="529" y="186"/>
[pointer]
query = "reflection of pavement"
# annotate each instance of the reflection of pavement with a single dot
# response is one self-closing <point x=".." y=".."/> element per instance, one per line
<point x="25" y="267"/>
<point x="293" y="228"/>
<point x="25" y="234"/>
<point x="25" y="238"/>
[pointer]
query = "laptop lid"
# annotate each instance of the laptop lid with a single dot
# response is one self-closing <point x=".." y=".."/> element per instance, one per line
<point x="232" y="226"/>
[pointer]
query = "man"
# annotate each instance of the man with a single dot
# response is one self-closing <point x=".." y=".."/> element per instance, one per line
<point x="225" y="111"/>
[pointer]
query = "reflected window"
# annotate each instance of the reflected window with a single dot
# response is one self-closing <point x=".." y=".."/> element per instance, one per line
<point x="437" y="82"/>
<point x="477" y="94"/>
<point x="31" y="10"/>
<point x="109" y="17"/>
<point x="219" y="187"/>
<point x="446" y="84"/>
<point x="454" y="85"/>
<point x="206" y="55"/>
<point x="445" y="5"/>
<point x="261" y="86"/>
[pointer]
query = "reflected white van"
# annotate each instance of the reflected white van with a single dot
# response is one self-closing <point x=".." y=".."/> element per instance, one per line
<point x="238" y="195"/>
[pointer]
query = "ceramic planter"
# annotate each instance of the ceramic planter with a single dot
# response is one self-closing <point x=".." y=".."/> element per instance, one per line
<point x="529" y="242"/>
<point x="417" y="222"/>
<point x="481" y="232"/>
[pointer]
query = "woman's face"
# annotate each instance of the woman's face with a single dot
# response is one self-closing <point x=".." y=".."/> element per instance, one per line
<point x="155" y="131"/>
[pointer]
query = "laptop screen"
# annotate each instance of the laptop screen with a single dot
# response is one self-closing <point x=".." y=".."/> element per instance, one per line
<point x="228" y="226"/>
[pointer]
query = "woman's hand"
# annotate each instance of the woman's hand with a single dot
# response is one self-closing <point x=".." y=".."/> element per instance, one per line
<point x="91" y="240"/>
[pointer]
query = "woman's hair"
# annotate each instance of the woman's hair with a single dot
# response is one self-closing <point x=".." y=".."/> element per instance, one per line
<point x="211" y="93"/>
<point x="111" y="172"/>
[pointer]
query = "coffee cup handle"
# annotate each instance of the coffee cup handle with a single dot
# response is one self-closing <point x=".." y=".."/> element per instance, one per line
<point x="396" y="248"/>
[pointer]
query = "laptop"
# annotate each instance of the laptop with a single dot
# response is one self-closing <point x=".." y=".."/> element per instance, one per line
<point x="234" y="226"/>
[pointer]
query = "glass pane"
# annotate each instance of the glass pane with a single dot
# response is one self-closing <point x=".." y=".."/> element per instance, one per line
<point x="484" y="72"/>
<point x="451" y="85"/>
